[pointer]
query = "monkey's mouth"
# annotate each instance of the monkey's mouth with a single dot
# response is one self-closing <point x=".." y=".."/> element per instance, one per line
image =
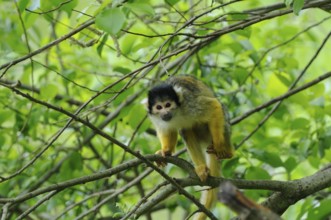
<point x="166" y="117"/>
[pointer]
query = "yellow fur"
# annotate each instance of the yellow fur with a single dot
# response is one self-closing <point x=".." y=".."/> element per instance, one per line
<point x="202" y="122"/>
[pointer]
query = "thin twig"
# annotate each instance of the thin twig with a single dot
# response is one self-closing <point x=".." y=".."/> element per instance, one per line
<point x="275" y="107"/>
<point x="49" y="45"/>
<point x="281" y="97"/>
<point x="40" y="202"/>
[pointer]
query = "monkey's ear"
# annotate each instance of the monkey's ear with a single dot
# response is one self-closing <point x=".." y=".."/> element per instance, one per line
<point x="145" y="103"/>
<point x="179" y="92"/>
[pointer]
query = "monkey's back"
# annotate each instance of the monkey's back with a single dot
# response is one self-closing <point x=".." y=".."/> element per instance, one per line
<point x="190" y="86"/>
<point x="195" y="96"/>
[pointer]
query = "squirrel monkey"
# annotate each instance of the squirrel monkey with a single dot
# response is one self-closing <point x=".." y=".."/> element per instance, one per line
<point x="186" y="105"/>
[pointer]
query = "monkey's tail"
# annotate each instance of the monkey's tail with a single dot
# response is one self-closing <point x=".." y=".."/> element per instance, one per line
<point x="209" y="197"/>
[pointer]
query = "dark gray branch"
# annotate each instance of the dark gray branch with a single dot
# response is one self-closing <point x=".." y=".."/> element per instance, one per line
<point x="299" y="189"/>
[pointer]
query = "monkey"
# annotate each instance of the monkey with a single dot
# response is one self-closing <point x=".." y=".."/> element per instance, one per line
<point x="183" y="104"/>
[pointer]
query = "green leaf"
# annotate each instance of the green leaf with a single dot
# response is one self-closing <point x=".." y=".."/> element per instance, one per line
<point x="171" y="2"/>
<point x="324" y="143"/>
<point x="124" y="95"/>
<point x="102" y="44"/>
<point x="235" y="47"/>
<point x="111" y="20"/>
<point x="22" y="4"/>
<point x="34" y="4"/>
<point x="291" y="63"/>
<point x="143" y="145"/>
<point x="229" y="166"/>
<point x="6" y="188"/>
<point x="2" y="140"/>
<point x="300" y="123"/>
<point x="21" y="124"/>
<point x="5" y="116"/>
<point x="245" y="33"/>
<point x="320" y="212"/>
<point x="136" y="115"/>
<point x="297" y="6"/>
<point x="68" y="6"/>
<point x="254" y="173"/>
<point x="317" y="90"/>
<point x="141" y="8"/>
<point x="48" y="91"/>
<point x="319" y="101"/>
<point x="128" y="42"/>
<point x="271" y="158"/>
<point x="275" y="86"/>
<point x="284" y="78"/>
<point x="290" y="164"/>
<point x="239" y="74"/>
<point x="288" y="2"/>
<point x="122" y="70"/>
<point x="70" y="76"/>
<point x="314" y="161"/>
<point x="237" y="16"/>
<point x="307" y="204"/>
<point x="73" y="163"/>
<point x="56" y="5"/>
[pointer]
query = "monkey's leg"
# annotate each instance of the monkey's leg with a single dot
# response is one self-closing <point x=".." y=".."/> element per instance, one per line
<point x="196" y="153"/>
<point x="216" y="123"/>
<point x="168" y="139"/>
<point x="209" y="196"/>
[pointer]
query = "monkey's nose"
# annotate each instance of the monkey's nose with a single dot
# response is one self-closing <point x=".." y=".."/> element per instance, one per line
<point x="166" y="117"/>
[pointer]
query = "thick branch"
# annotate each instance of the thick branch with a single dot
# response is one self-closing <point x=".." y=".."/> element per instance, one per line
<point x="288" y="192"/>
<point x="299" y="189"/>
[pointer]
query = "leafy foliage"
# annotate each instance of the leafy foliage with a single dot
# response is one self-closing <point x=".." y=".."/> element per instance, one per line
<point x="73" y="74"/>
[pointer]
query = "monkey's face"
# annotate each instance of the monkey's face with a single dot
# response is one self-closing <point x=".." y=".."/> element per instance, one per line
<point x="164" y="109"/>
<point x="163" y="102"/>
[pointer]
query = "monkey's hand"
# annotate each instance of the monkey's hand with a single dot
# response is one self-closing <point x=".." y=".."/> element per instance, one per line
<point x="163" y="154"/>
<point x="202" y="171"/>
<point x="220" y="154"/>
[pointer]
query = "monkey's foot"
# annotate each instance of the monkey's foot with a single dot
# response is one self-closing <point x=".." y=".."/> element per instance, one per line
<point x="163" y="154"/>
<point x="223" y="154"/>
<point x="202" y="171"/>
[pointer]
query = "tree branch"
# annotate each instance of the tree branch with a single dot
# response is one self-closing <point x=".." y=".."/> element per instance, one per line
<point x="49" y="45"/>
<point x="281" y="97"/>
<point x="297" y="190"/>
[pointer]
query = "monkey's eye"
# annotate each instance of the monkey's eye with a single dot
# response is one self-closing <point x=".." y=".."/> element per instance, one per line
<point x="158" y="107"/>
<point x="168" y="104"/>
